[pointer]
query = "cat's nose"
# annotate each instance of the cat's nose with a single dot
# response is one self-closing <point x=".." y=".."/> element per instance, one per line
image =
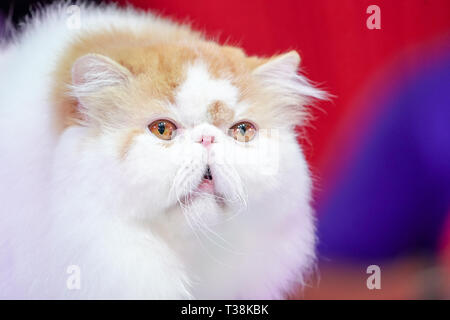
<point x="206" y="140"/>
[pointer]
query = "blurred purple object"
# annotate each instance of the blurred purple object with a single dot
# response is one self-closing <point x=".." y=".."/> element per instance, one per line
<point x="394" y="197"/>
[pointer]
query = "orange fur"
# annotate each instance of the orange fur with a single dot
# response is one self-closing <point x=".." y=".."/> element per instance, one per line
<point x="157" y="63"/>
<point x="220" y="114"/>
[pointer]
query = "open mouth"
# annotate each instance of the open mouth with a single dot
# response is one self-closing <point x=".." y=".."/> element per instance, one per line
<point x="207" y="175"/>
<point x="207" y="183"/>
<point x="205" y="186"/>
<point x="206" y="189"/>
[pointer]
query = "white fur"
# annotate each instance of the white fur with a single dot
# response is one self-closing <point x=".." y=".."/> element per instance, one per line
<point x="199" y="91"/>
<point x="67" y="199"/>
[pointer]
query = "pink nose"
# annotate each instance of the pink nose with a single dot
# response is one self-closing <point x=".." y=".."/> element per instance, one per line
<point x="207" y="140"/>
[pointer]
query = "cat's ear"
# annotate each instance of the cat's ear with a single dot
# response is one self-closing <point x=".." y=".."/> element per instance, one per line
<point x="281" y="72"/>
<point x="281" y="65"/>
<point x="93" y="72"/>
<point x="95" y="80"/>
<point x="286" y="91"/>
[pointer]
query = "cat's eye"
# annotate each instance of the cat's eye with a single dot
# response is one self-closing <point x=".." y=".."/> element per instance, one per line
<point x="243" y="131"/>
<point x="163" y="129"/>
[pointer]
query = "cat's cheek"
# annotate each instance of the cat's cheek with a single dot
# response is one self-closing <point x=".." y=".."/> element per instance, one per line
<point x="273" y="173"/>
<point x="150" y="168"/>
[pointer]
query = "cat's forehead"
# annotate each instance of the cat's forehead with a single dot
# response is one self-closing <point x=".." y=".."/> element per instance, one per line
<point x="203" y="98"/>
<point x="198" y="81"/>
<point x="201" y="84"/>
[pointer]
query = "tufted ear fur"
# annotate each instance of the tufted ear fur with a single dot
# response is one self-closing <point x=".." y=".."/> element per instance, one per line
<point x="282" y="71"/>
<point x="285" y="63"/>
<point x="92" y="72"/>
<point x="285" y="92"/>
<point x="97" y="83"/>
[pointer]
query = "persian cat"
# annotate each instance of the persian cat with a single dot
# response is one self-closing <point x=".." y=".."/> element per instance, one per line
<point x="142" y="160"/>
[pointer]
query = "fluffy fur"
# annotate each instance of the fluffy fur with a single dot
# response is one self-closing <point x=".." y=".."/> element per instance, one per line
<point x="83" y="181"/>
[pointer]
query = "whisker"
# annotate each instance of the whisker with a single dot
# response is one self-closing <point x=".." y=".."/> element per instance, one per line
<point x="184" y="191"/>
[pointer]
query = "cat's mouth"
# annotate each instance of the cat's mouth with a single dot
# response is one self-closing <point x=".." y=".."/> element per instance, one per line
<point x="207" y="175"/>
<point x="205" y="188"/>
<point x="207" y="183"/>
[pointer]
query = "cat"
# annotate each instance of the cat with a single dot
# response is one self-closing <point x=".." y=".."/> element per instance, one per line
<point x="142" y="160"/>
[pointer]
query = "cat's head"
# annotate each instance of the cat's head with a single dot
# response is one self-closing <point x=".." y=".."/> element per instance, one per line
<point x="205" y="128"/>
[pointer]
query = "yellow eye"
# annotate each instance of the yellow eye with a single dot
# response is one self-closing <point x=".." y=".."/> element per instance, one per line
<point x="163" y="129"/>
<point x="243" y="131"/>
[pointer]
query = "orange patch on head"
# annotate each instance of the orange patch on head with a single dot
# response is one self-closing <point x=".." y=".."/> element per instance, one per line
<point x="157" y="65"/>
<point x="219" y="114"/>
<point x="157" y="59"/>
<point x="230" y="63"/>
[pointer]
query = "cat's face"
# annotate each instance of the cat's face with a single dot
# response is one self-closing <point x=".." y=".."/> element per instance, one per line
<point x="206" y="130"/>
